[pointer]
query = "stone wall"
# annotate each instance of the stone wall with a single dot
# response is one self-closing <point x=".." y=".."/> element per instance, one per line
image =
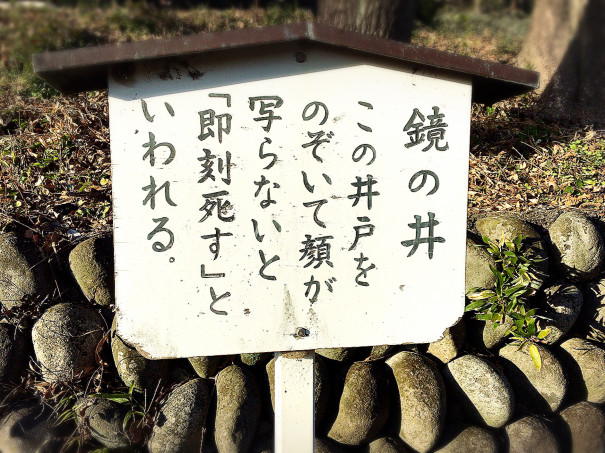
<point x="471" y="391"/>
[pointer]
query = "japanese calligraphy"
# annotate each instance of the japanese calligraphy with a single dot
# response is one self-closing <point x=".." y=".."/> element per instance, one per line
<point x="359" y="184"/>
<point x="316" y="251"/>
<point x="434" y="132"/>
<point x="430" y="238"/>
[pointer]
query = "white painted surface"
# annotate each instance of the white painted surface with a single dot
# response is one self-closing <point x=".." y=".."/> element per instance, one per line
<point x="294" y="402"/>
<point x="164" y="304"/>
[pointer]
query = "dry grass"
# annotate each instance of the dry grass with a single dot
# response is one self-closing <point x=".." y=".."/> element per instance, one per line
<point x="54" y="150"/>
<point x="518" y="162"/>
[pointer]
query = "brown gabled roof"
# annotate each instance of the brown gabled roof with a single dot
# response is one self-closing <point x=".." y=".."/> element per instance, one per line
<point x="86" y="68"/>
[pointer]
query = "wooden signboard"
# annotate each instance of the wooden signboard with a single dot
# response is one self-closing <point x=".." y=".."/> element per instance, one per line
<point x="281" y="202"/>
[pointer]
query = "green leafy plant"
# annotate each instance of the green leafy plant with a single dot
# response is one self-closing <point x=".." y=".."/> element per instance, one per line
<point x="136" y="410"/>
<point x="72" y="408"/>
<point x="508" y="301"/>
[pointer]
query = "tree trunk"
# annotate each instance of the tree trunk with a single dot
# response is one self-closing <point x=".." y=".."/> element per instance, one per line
<point x="565" y="44"/>
<point x="393" y="19"/>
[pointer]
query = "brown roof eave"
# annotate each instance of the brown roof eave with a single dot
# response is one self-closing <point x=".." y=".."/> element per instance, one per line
<point x="86" y="68"/>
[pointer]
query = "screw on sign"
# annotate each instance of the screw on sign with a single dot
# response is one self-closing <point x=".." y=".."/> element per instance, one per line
<point x="302" y="194"/>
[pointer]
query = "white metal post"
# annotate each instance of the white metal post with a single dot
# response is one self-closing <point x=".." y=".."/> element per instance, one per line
<point x="294" y="402"/>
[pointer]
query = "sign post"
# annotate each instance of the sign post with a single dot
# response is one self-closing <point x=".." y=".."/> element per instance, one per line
<point x="294" y="402"/>
<point x="287" y="189"/>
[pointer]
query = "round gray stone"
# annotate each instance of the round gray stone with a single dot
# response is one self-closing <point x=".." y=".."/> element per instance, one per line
<point x="387" y="445"/>
<point x="577" y="247"/>
<point x="104" y="419"/>
<point x="472" y="440"/>
<point x="14" y="355"/>
<point x="449" y="347"/>
<point x="237" y="409"/>
<point x="146" y="375"/>
<point x="494" y="337"/>
<point x="65" y="341"/>
<point x="530" y="434"/>
<point x="321" y="386"/>
<point x="326" y="446"/>
<point x="364" y="404"/>
<point x="508" y="226"/>
<point x="338" y="354"/>
<point x="180" y="422"/>
<point x="563" y="306"/>
<point x="28" y="427"/>
<point x="592" y="317"/>
<point x="255" y="358"/>
<point x="584" y="363"/>
<point x="23" y="271"/>
<point x="91" y="263"/>
<point x="483" y="392"/>
<point x="586" y="423"/>
<point x="478" y="272"/>
<point x="541" y="391"/>
<point x="205" y="367"/>
<point x="418" y="409"/>
<point x="380" y="352"/>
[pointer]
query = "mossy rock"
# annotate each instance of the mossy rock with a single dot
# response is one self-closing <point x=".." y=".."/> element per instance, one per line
<point x="562" y="308"/>
<point x="237" y="409"/>
<point x="386" y="445"/>
<point x="181" y="419"/>
<point x="65" y="341"/>
<point x="586" y="424"/>
<point x="91" y="263"/>
<point x="493" y="337"/>
<point x="577" y="248"/>
<point x="364" y="405"/>
<point x="104" y="419"/>
<point x="23" y="272"/>
<point x="591" y="322"/>
<point x="418" y="406"/>
<point x="337" y="354"/>
<point x="472" y="439"/>
<point x="542" y="391"/>
<point x="450" y="345"/>
<point x="478" y="272"/>
<point x="483" y="392"/>
<point x="507" y="226"/>
<point x="531" y="434"/>
<point x="205" y="366"/>
<point x="326" y="446"/>
<point x="134" y="369"/>
<point x="256" y="358"/>
<point x="380" y="352"/>
<point x="584" y="364"/>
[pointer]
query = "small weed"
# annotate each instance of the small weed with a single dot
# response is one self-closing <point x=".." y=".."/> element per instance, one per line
<point x="72" y="409"/>
<point x="36" y="88"/>
<point x="509" y="299"/>
<point x="136" y="415"/>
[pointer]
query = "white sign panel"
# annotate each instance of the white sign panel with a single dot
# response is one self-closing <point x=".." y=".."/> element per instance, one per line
<point x="267" y="204"/>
